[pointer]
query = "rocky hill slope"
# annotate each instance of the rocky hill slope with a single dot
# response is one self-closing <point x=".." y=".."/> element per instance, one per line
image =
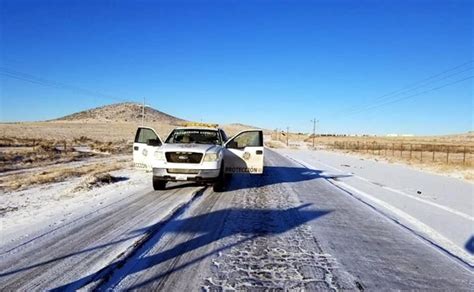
<point x="122" y="112"/>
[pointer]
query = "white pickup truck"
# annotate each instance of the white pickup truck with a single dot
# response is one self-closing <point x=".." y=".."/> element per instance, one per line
<point x="198" y="154"/>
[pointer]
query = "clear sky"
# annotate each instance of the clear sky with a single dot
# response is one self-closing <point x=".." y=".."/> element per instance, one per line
<point x="270" y="64"/>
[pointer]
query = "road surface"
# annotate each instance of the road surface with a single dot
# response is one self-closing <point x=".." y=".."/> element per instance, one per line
<point x="289" y="229"/>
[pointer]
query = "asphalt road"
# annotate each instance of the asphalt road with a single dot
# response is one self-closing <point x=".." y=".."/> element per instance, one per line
<point x="287" y="229"/>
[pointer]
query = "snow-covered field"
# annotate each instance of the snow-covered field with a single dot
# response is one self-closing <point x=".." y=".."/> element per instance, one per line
<point x="30" y="212"/>
<point x="438" y="208"/>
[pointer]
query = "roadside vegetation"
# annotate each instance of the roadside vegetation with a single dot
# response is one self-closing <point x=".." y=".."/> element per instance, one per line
<point x="26" y="162"/>
<point x="448" y="155"/>
<point x="93" y="174"/>
<point x="23" y="153"/>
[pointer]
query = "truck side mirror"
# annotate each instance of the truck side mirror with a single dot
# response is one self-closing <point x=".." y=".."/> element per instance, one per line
<point x="232" y="144"/>
<point x="154" y="142"/>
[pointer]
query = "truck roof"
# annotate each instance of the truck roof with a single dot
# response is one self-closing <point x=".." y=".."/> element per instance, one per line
<point x="198" y="128"/>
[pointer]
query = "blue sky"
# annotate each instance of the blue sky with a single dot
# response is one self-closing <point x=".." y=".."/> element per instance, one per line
<point x="257" y="62"/>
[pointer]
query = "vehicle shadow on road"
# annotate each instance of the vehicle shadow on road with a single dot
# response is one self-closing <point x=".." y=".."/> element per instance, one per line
<point x="208" y="228"/>
<point x="278" y="174"/>
<point x="470" y="245"/>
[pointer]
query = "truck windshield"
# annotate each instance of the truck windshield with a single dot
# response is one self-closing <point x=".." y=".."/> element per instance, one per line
<point x="191" y="136"/>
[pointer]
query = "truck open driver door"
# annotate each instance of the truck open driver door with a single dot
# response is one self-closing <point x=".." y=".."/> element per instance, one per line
<point x="244" y="153"/>
<point x="144" y="146"/>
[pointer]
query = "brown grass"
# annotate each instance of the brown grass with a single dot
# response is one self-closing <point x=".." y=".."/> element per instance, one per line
<point x="56" y="174"/>
<point x="415" y="151"/>
<point x="21" y="153"/>
<point x="457" y="170"/>
<point x="96" y="180"/>
<point x="122" y="132"/>
<point x="466" y="139"/>
<point x="274" y="144"/>
<point x="31" y="145"/>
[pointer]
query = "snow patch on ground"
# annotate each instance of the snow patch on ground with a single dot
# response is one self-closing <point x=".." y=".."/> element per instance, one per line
<point x="33" y="211"/>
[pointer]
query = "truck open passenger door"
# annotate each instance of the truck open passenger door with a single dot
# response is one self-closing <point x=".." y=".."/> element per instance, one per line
<point x="244" y="153"/>
<point x="144" y="146"/>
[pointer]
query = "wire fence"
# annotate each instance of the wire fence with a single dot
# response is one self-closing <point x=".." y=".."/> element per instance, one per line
<point x="449" y="154"/>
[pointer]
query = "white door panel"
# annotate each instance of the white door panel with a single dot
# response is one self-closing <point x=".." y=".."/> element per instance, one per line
<point x="144" y="146"/>
<point x="244" y="153"/>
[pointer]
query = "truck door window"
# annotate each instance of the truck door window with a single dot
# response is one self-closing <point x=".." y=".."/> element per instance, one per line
<point x="224" y="136"/>
<point x="247" y="139"/>
<point x="145" y="135"/>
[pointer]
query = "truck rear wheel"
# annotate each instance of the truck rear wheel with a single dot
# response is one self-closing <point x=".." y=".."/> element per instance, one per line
<point x="158" y="184"/>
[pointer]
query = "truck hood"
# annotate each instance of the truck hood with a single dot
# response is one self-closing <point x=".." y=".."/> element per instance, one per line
<point x="203" y="148"/>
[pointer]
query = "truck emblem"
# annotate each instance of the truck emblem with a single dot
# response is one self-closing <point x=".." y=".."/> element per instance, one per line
<point x="246" y="156"/>
<point x="182" y="157"/>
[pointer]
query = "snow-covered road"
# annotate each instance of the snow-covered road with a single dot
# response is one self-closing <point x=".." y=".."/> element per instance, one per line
<point x="437" y="208"/>
<point x="288" y="229"/>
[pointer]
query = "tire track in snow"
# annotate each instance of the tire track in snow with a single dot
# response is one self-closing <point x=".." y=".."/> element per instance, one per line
<point x="114" y="270"/>
<point x="273" y="260"/>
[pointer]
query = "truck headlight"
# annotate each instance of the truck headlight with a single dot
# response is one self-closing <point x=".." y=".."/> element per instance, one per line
<point x="210" y="157"/>
<point x="159" y="155"/>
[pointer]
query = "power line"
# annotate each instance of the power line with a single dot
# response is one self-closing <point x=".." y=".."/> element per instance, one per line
<point x="55" y="84"/>
<point x="420" y="86"/>
<point x="411" y="96"/>
<point x="413" y="86"/>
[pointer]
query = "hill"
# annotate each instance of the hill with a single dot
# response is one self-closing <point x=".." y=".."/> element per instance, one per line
<point x="122" y="112"/>
<point x="115" y="122"/>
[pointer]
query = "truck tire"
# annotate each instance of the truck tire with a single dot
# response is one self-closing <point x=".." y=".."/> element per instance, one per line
<point x="221" y="182"/>
<point x="158" y="184"/>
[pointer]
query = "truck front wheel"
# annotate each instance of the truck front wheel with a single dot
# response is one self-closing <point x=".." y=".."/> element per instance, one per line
<point x="158" y="184"/>
<point x="220" y="184"/>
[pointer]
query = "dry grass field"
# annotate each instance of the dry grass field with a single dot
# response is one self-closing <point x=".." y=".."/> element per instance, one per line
<point x="50" y="146"/>
<point x="94" y="172"/>
<point x="100" y="131"/>
<point x="450" y="154"/>
<point x="34" y="153"/>
<point x="88" y="142"/>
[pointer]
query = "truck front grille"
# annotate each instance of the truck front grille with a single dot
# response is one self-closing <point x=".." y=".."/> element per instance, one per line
<point x="183" y="157"/>
<point x="182" y="171"/>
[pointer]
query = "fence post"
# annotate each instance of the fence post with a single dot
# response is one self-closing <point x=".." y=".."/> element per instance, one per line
<point x="401" y="150"/>
<point x="464" y="155"/>
<point x="433" y="148"/>
<point x="385" y="146"/>
<point x="65" y="149"/>
<point x="393" y="149"/>
<point x="447" y="154"/>
<point x="411" y="150"/>
<point x="421" y="153"/>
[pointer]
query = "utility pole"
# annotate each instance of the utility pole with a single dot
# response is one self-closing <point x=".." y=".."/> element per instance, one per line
<point x="143" y="113"/>
<point x="314" y="121"/>
<point x="287" y="135"/>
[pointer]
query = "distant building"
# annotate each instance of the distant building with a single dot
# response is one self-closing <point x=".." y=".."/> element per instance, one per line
<point x="400" y="135"/>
